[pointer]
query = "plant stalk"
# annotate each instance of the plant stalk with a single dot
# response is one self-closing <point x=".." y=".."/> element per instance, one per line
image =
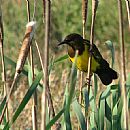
<point x="123" y="67"/>
<point x="46" y="61"/>
<point x="34" y="106"/>
<point x="3" y="61"/>
<point x="94" y="9"/>
<point x="128" y="10"/>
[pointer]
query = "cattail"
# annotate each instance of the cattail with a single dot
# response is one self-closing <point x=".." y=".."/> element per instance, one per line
<point x="84" y="11"/>
<point x="30" y="27"/>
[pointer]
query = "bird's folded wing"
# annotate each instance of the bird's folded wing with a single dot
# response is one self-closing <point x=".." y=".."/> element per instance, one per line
<point x="96" y="54"/>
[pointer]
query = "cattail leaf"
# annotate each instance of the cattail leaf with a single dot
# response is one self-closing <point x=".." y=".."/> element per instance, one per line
<point x="25" y="100"/>
<point x="120" y="106"/>
<point x="51" y="64"/>
<point x="111" y="48"/>
<point x="95" y="85"/>
<point x="114" y="87"/>
<point x="115" y="118"/>
<point x="128" y="79"/>
<point x="67" y="120"/>
<point x="128" y="88"/>
<point x="86" y="98"/>
<point x="101" y="112"/>
<point x="67" y="111"/>
<point x="1" y="127"/>
<point x="77" y="109"/>
<point x="60" y="59"/>
<point x="30" y="76"/>
<point x="2" y="104"/>
<point x="92" y="121"/>
<point x="52" y="122"/>
<point x="73" y="78"/>
<point x="69" y="97"/>
<point x="1" y="109"/>
<point x="114" y="98"/>
<point x="108" y="113"/>
<point x="94" y="111"/>
<point x="106" y="93"/>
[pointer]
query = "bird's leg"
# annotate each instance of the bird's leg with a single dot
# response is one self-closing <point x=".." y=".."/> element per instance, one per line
<point x="87" y="79"/>
<point x="91" y="51"/>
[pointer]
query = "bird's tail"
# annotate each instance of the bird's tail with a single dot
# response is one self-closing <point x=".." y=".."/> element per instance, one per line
<point x="106" y="75"/>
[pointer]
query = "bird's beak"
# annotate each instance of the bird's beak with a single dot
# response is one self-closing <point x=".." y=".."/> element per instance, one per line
<point x="63" y="42"/>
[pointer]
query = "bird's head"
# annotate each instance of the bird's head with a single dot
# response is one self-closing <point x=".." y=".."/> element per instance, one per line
<point x="74" y="42"/>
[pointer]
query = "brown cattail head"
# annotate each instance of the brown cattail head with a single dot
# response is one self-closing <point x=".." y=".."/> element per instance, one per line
<point x="84" y="10"/>
<point x="1" y="30"/>
<point x="94" y="6"/>
<point x="29" y="33"/>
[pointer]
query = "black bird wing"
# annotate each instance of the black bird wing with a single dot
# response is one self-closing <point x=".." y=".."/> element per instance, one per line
<point x="96" y="54"/>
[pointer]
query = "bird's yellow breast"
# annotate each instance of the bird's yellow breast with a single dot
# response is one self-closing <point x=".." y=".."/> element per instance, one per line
<point x="82" y="61"/>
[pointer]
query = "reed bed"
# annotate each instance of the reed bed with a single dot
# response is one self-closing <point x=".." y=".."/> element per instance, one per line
<point x="90" y="106"/>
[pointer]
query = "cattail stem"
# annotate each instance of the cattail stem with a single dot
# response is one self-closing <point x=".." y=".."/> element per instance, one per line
<point x="46" y="61"/>
<point x="34" y="11"/>
<point x="2" y="60"/>
<point x="123" y="68"/>
<point x="34" y="110"/>
<point x="84" y="19"/>
<point x="94" y="9"/>
<point x="28" y="10"/>
<point x="128" y="10"/>
<point x="49" y="97"/>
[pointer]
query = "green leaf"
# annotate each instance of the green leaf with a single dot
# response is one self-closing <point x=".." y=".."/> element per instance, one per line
<point x="70" y="95"/>
<point x="51" y="63"/>
<point x="60" y="59"/>
<point x="77" y="109"/>
<point x="73" y="78"/>
<point x="1" y="127"/>
<point x="111" y="48"/>
<point x="95" y="86"/>
<point x="114" y="98"/>
<point x="25" y="100"/>
<point x="101" y="112"/>
<point x="94" y="112"/>
<point x="86" y="98"/>
<point x="67" y="111"/>
<point x="2" y="104"/>
<point x="108" y="113"/>
<point x="52" y="122"/>
<point x="30" y="76"/>
<point x="120" y="106"/>
<point x="115" y="116"/>
<point x="106" y="93"/>
<point x="128" y="79"/>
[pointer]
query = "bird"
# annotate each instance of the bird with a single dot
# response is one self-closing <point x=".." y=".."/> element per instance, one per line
<point x="75" y="42"/>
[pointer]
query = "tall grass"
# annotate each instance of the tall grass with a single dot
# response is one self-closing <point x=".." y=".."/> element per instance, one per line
<point x="104" y="109"/>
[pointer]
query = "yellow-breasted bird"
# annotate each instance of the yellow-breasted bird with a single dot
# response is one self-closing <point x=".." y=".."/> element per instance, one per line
<point x="99" y="65"/>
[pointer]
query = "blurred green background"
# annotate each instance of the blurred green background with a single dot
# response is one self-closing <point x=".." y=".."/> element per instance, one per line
<point x="66" y="17"/>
